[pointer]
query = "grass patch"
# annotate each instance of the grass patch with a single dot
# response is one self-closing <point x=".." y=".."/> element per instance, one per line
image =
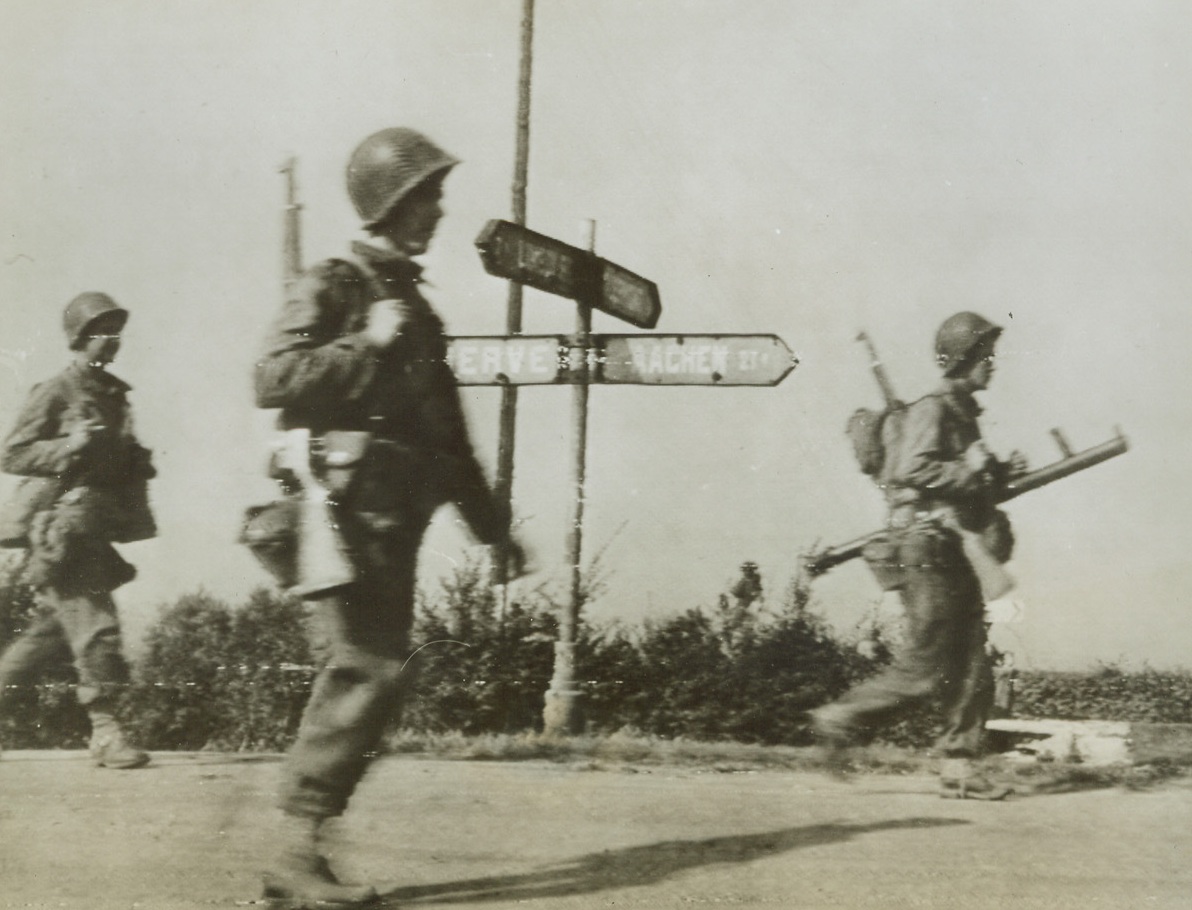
<point x="630" y="748"/>
<point x="627" y="749"/>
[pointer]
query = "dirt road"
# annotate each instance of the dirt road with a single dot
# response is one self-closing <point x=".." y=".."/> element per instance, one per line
<point x="192" y="832"/>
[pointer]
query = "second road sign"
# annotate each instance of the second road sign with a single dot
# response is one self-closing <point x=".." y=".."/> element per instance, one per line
<point x="511" y="251"/>
<point x="717" y="360"/>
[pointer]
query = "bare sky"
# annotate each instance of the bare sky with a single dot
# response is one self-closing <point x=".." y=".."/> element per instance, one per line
<point x="805" y="169"/>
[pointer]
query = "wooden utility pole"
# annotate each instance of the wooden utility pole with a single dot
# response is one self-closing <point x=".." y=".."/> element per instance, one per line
<point x="513" y="312"/>
<point x="561" y="714"/>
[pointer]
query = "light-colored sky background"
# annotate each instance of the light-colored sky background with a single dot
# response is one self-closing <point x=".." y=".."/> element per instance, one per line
<point x="806" y="169"/>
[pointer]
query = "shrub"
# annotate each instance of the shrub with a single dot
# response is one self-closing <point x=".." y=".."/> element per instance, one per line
<point x="214" y="677"/>
<point x="729" y="673"/>
<point x="1107" y="693"/>
<point x="481" y="668"/>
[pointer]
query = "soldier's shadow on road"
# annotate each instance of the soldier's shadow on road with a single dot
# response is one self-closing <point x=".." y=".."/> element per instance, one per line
<point x="645" y="865"/>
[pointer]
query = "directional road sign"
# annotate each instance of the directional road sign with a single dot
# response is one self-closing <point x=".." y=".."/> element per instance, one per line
<point x="507" y="360"/>
<point x="628" y="296"/>
<point x="511" y="251"/>
<point x="716" y="360"/>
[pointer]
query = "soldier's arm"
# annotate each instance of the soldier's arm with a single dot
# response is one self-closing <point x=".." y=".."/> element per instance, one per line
<point x="924" y="463"/>
<point x="38" y="444"/>
<point x="310" y="358"/>
<point x="485" y="515"/>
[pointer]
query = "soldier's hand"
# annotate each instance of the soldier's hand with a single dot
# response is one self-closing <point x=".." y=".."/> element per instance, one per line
<point x="386" y="319"/>
<point x="977" y="456"/>
<point x="519" y="562"/>
<point x="1016" y="464"/>
<point x="82" y="433"/>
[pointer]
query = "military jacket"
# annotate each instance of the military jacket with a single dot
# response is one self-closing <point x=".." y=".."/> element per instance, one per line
<point x="925" y="463"/>
<point x="37" y="445"/>
<point x="324" y="375"/>
<point x="112" y="468"/>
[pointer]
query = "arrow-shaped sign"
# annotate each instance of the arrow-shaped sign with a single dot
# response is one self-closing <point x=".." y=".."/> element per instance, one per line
<point x="717" y="360"/>
<point x="709" y="360"/>
<point x="511" y="251"/>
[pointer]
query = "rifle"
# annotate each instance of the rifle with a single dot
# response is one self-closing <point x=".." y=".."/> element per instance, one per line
<point x="291" y="244"/>
<point x="893" y="402"/>
<point x="817" y="563"/>
<point x="322" y="563"/>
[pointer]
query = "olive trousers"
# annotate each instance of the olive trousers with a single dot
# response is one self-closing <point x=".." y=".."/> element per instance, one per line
<point x="943" y="655"/>
<point x="70" y="625"/>
<point x="363" y="629"/>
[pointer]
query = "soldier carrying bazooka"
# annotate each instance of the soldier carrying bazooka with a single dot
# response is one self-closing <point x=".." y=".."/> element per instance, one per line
<point x="942" y="550"/>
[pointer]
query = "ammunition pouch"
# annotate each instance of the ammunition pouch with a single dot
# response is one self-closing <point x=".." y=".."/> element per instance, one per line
<point x="270" y="532"/>
<point x="119" y="514"/>
<point x="399" y="481"/>
<point x="64" y="555"/>
<point x="115" y="514"/>
<point x="336" y="458"/>
<point x="997" y="536"/>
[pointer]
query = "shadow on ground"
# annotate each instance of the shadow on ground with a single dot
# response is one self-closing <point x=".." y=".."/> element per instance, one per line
<point x="636" y="866"/>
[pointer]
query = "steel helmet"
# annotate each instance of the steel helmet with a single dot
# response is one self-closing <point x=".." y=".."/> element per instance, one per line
<point x="84" y="310"/>
<point x="959" y="336"/>
<point x="387" y="165"/>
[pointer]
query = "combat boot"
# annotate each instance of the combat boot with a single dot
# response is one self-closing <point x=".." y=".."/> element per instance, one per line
<point x="301" y="877"/>
<point x="109" y="748"/>
<point x="959" y="780"/>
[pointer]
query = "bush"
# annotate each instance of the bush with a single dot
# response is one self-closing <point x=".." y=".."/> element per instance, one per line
<point x="215" y="677"/>
<point x="724" y="674"/>
<point x="1107" y="693"/>
<point x="481" y="668"/>
<point x="219" y="676"/>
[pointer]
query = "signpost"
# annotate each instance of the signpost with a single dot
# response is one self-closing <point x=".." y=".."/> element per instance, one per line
<point x="515" y="252"/>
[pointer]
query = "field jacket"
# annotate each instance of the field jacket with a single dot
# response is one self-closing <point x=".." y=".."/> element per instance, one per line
<point x="108" y="475"/>
<point x="324" y="375"/>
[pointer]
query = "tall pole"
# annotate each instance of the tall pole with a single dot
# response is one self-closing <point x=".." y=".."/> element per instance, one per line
<point x="291" y="247"/>
<point x="561" y="715"/>
<point x="513" y="312"/>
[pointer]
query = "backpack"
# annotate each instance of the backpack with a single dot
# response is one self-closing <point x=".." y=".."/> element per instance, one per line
<point x="871" y="432"/>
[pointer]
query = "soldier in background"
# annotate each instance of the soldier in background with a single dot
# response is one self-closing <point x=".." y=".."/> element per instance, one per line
<point x="357" y="361"/>
<point x="938" y="477"/>
<point x="84" y="487"/>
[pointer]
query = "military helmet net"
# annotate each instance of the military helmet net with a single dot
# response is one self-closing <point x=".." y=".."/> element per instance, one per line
<point x="84" y="310"/>
<point x="387" y="165"/>
<point x="959" y="336"/>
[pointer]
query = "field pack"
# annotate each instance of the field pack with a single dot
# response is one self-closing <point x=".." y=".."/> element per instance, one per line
<point x="871" y="431"/>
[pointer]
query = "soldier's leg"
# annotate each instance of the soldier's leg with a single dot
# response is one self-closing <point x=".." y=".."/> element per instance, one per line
<point x="966" y="693"/>
<point x="928" y="558"/>
<point x="367" y="630"/>
<point x="92" y="627"/>
<point x="40" y="644"/>
<point x="967" y="686"/>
